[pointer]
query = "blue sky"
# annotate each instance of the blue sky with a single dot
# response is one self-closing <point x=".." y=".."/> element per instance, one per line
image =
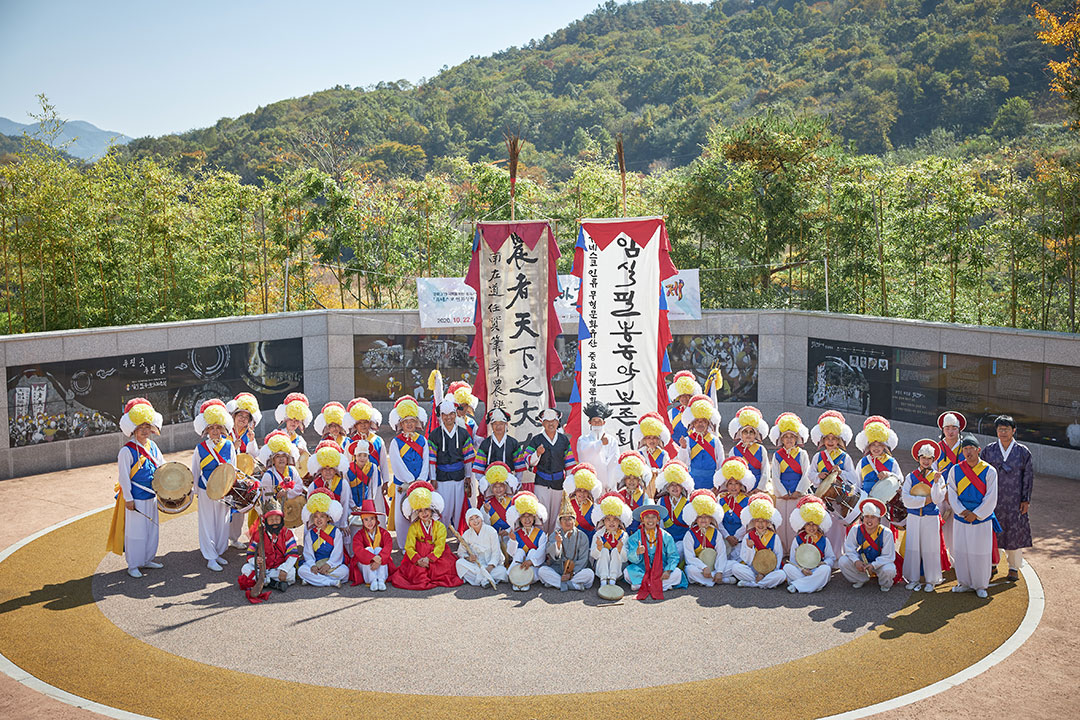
<point x="150" y="67"/>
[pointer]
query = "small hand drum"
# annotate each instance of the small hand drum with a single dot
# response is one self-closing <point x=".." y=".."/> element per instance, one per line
<point x="885" y="489"/>
<point x="293" y="509"/>
<point x="173" y="485"/>
<point x="807" y="556"/>
<point x="221" y="481"/>
<point x="521" y="577"/>
<point x="764" y="561"/>
<point x="708" y="556"/>
<point x="920" y="489"/>
<point x="245" y="463"/>
<point x="611" y="593"/>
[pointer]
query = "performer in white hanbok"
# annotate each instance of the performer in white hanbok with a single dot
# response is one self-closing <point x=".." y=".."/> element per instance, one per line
<point x="792" y="474"/>
<point x="748" y="429"/>
<point x="527" y="545"/>
<point x="215" y="449"/>
<point x="597" y="446"/>
<point x="973" y="493"/>
<point x="483" y="554"/>
<point x="869" y="550"/>
<point x="923" y="493"/>
<point x="733" y="498"/>
<point x="324" y="543"/>
<point x="760" y="520"/>
<point x="831" y="434"/>
<point x="809" y="569"/>
<point x="951" y="423"/>
<point x="134" y="529"/>
<point x="246" y="416"/>
<point x="279" y="456"/>
<point x="703" y="546"/>
<point x="612" y="516"/>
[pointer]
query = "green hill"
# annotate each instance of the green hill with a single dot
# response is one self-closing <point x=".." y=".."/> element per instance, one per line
<point x="661" y="72"/>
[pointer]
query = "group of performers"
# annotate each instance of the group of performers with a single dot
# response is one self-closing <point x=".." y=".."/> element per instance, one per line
<point x="677" y="509"/>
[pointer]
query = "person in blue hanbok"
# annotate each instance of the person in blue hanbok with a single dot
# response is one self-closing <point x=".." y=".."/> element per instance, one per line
<point x="1016" y="478"/>
<point x="652" y="555"/>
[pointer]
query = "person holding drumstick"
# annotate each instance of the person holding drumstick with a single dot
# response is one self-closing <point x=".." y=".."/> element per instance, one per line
<point x="134" y="529"/>
<point x="831" y="434"/>
<point x="215" y="449"/>
<point x="760" y="552"/>
<point x="281" y="479"/>
<point x="869" y="550"/>
<point x="748" y="429"/>
<point x="295" y="413"/>
<point x="812" y="559"/>
<point x="246" y="416"/>
<point x="923" y="494"/>
<point x="792" y="474"/>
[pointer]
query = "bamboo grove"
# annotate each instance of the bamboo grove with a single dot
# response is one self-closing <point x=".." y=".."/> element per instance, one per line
<point x="990" y="239"/>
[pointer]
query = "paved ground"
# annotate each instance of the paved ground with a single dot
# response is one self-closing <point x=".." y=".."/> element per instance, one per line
<point x="1032" y="677"/>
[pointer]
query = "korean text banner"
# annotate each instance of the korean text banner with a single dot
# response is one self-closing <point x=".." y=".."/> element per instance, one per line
<point x="682" y="292"/>
<point x="623" y="332"/>
<point x="513" y="274"/>
<point x="445" y="302"/>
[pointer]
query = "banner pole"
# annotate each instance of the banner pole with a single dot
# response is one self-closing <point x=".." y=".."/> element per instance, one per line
<point x="826" y="282"/>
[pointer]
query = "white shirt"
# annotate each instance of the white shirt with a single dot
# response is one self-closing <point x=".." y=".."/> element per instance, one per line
<point x="1005" y="452"/>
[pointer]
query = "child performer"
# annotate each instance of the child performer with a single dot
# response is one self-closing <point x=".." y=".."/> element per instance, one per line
<point x="134" y="529"/>
<point x="733" y="499"/>
<point x="327" y="467"/>
<point x="951" y="423"/>
<point x="497" y="484"/>
<point x="683" y="387"/>
<point x="877" y="440"/>
<point x="923" y="493"/>
<point x="703" y="547"/>
<point x="748" y="429"/>
<point x="869" y="548"/>
<point x="324" y="546"/>
<point x="368" y="476"/>
<point x="653" y="556"/>
<point x="810" y="521"/>
<point x="760" y="520"/>
<point x="830" y="435"/>
<point x="611" y="515"/>
<point x="333" y="423"/>
<point x="582" y="487"/>
<point x="370" y="561"/>
<point x="280" y="554"/>
<point x="632" y="487"/>
<point x="651" y="438"/>
<point x="484" y="552"/>
<point x="295" y="413"/>
<point x="567" y="566"/>
<point x="702" y="445"/>
<point x="527" y="546"/>
<point x="673" y="487"/>
<point x="425" y="563"/>
<point x="410" y="457"/>
<point x="792" y="474"/>
<point x="278" y="455"/>
<point x="596" y="446"/>
<point x="246" y="416"/>
<point x="215" y="449"/>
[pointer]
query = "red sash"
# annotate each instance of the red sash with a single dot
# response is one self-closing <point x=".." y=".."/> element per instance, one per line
<point x="921" y="478"/>
<point x="792" y="462"/>
<point x="757" y="540"/>
<point x="610" y="541"/>
<point x="654" y="460"/>
<point x="948" y="452"/>
<point x="499" y="509"/>
<point x="733" y="504"/>
<point x="700" y="537"/>
<point x="142" y="451"/>
<point x="326" y="538"/>
<point x="212" y="451"/>
<point x="974" y="479"/>
<point x="706" y="446"/>
<point x="241" y="442"/>
<point x="412" y="444"/>
<point x="876" y="544"/>
<point x="652" y="584"/>
<point x="583" y="521"/>
<point x="880" y="467"/>
<point x="525" y="540"/>
<point x="826" y="461"/>
<point x="751" y="458"/>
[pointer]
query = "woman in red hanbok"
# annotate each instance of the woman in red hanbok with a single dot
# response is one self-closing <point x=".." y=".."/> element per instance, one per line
<point x="426" y="562"/>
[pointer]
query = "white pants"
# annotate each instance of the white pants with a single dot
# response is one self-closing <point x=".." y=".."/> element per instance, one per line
<point x="550" y="577"/>
<point x="609" y="565"/>
<point x="672" y="581"/>
<point x="271" y="573"/>
<point x="1015" y="558"/>
<point x="885" y="574"/>
<point x="697" y="575"/>
<point x="141" y="533"/>
<point x="371" y="575"/>
<point x="237" y="523"/>
<point x="816" y="580"/>
<point x="470" y="573"/>
<point x="401" y="523"/>
<point x="213" y="527"/>
<point x="785" y="508"/>
<point x="745" y="573"/>
<point x="339" y="575"/>
<point x="453" y="494"/>
<point x="946" y="533"/>
<point x="923" y="543"/>
<point x="973" y="553"/>
<point x="552" y="500"/>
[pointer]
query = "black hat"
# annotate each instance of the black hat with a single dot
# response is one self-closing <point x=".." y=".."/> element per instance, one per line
<point x="597" y="409"/>
<point x="969" y="440"/>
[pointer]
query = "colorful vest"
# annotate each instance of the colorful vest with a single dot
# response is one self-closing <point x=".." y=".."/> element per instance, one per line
<point x="322" y="542"/>
<point x="143" y="467"/>
<point x="791" y="470"/>
<point x="362" y="481"/>
<point x="209" y="460"/>
<point x="678" y="430"/>
<point x="826" y="460"/>
<point x="496" y="509"/>
<point x="450" y="453"/>
<point x="733" y="506"/>
<point x="969" y="492"/>
<point x="929" y="508"/>
<point x="241" y="442"/>
<point x="703" y="461"/>
<point x="655" y="459"/>
<point x="411" y="450"/>
<point x="868" y="470"/>
<point x="755" y="459"/>
<point x="674" y="523"/>
<point x="510" y="452"/>
<point x="870" y="546"/>
<point x="704" y="540"/>
<point x="583" y="517"/>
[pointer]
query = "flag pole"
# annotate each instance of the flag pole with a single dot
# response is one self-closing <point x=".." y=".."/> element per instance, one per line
<point x="513" y="149"/>
<point x="621" y="156"/>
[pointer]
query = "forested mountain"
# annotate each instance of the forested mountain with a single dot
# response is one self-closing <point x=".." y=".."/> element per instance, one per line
<point x="662" y="72"/>
<point x="78" y="138"/>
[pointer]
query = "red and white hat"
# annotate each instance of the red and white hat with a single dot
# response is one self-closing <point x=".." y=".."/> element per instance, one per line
<point x="277" y="442"/>
<point x="831" y="422"/>
<point x="876" y="429"/>
<point x="362" y="409"/>
<point x="248" y="403"/>
<point x="613" y="504"/>
<point x="582" y="476"/>
<point x="498" y="472"/>
<point x="702" y="502"/>
<point x="525" y="503"/>
<point x="748" y="416"/>
<point x="295" y="406"/>
<point x="760" y="507"/>
<point x="406" y="407"/>
<point x="926" y="447"/>
<point x="675" y="472"/>
<point x="321" y="501"/>
<point x="683" y="383"/>
<point x="651" y="424"/>
<point x="420" y="495"/>
<point x="736" y="468"/>
<point x="460" y="392"/>
<point x="873" y="507"/>
<point x="138" y="411"/>
<point x="701" y="406"/>
<point x="634" y="465"/>
<point x="212" y="412"/>
<point x="328" y="454"/>
<point x="810" y="508"/>
<point x="952" y="417"/>
<point x="333" y="412"/>
<point x="788" y="422"/>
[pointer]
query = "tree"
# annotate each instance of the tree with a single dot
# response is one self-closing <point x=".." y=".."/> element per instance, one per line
<point x="1063" y="32"/>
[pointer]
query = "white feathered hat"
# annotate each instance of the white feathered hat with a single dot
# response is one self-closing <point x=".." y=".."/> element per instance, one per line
<point x="421" y="495"/>
<point x="611" y="503"/>
<point x="876" y="429"/>
<point x="321" y="501"/>
<point x="277" y="442"/>
<point x="461" y="393"/>
<point x="703" y="502"/>
<point x="498" y="472"/>
<point x="701" y="406"/>
<point x="788" y="422"/>
<point x="295" y="406"/>
<point x="524" y="503"/>
<point x="328" y="454"/>
<point x="406" y="407"/>
<point x="810" y="508"/>
<point x="760" y="506"/>
<point x="748" y="416"/>
<point x="248" y="403"/>
<point x="333" y="412"/>
<point x="831" y="422"/>
<point x="362" y="409"/>
<point x="212" y="412"/>
<point x="582" y="476"/>
<point x="633" y="465"/>
<point x="651" y="424"/>
<point x="736" y="468"/>
<point x="675" y="472"/>
<point x="138" y="411"/>
<point x="683" y="383"/>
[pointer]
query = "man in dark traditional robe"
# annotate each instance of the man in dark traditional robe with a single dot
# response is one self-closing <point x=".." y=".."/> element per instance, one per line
<point x="1016" y="476"/>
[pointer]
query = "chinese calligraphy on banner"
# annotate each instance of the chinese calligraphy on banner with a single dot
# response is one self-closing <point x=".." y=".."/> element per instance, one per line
<point x="623" y="333"/>
<point x="513" y="274"/>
